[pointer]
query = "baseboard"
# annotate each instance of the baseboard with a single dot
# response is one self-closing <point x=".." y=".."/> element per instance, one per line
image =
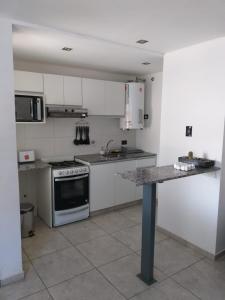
<point x="186" y="243"/>
<point x="219" y="254"/>
<point x="115" y="208"/>
<point x="12" y="279"/>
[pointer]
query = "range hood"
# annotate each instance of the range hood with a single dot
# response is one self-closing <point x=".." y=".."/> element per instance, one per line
<point x="66" y="111"/>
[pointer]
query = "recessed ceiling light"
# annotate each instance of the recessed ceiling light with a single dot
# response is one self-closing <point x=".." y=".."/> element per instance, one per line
<point x="146" y="63"/>
<point x="67" y="49"/>
<point x="142" y="41"/>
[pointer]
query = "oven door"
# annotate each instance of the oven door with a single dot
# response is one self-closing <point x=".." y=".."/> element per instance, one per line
<point x="71" y="192"/>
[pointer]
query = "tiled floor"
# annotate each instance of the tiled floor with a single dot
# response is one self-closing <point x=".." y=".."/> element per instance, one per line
<point x="98" y="259"/>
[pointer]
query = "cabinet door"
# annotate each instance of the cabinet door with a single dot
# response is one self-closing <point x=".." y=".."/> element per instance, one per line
<point x="28" y="82"/>
<point x="125" y="190"/>
<point x="93" y="96"/>
<point x="140" y="163"/>
<point x="114" y="98"/>
<point x="101" y="186"/>
<point x="53" y="89"/>
<point x="72" y="90"/>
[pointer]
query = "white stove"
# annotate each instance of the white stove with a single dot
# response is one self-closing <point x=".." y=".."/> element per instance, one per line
<point x="70" y="192"/>
<point x="68" y="168"/>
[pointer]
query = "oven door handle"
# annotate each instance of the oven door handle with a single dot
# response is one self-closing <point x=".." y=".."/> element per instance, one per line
<point x="72" y="178"/>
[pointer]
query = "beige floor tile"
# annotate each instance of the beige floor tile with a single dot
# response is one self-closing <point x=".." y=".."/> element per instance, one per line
<point x="204" y="280"/>
<point x="24" y="257"/>
<point x="43" y="295"/>
<point x="88" y="286"/>
<point x="134" y="213"/>
<point x="103" y="250"/>
<point x="218" y="264"/>
<point x="30" y="285"/>
<point x="171" y="256"/>
<point x="132" y="237"/>
<point x="61" y="265"/>
<point x="40" y="226"/>
<point x="44" y="243"/>
<point x="112" y="222"/>
<point x="123" y="275"/>
<point x="81" y="232"/>
<point x="166" y="290"/>
<point x="159" y="236"/>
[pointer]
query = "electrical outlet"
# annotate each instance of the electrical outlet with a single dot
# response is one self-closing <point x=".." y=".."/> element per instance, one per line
<point x="146" y="116"/>
<point x="189" y="131"/>
<point x="124" y="142"/>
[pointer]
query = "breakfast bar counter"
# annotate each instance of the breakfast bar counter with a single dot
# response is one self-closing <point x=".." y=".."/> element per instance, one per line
<point x="149" y="177"/>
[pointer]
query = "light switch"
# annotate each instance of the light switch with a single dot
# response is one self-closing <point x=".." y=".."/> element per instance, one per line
<point x="189" y="131"/>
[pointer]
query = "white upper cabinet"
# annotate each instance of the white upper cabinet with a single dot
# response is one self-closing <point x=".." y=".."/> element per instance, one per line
<point x="101" y="98"/>
<point x="72" y="90"/>
<point x="53" y="89"/>
<point x="106" y="98"/>
<point x="93" y="96"/>
<point x="28" y="82"/>
<point x="114" y="98"/>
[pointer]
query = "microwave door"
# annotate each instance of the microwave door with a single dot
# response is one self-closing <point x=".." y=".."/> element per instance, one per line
<point x="24" y="109"/>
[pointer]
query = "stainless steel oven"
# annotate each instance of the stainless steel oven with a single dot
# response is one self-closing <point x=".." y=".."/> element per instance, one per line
<point x="70" y="190"/>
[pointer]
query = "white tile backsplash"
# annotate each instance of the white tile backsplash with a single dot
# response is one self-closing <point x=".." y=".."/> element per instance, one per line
<point x="54" y="139"/>
<point x="39" y="131"/>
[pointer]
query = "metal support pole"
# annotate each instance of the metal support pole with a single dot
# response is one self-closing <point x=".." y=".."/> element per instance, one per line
<point x="148" y="233"/>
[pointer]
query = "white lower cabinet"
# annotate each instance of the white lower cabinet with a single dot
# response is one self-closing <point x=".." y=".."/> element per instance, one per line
<point x="101" y="186"/>
<point x="140" y="163"/>
<point x="108" y="189"/>
<point x="125" y="190"/>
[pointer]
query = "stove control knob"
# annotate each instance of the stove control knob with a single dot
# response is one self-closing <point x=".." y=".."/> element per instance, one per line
<point x="60" y="173"/>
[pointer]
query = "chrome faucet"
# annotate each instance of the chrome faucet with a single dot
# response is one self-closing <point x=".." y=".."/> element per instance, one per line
<point x="107" y="147"/>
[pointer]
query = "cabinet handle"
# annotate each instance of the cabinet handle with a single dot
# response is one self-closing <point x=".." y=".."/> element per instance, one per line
<point x="140" y="116"/>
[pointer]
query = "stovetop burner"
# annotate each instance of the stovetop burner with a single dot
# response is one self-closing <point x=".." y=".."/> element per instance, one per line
<point x="65" y="163"/>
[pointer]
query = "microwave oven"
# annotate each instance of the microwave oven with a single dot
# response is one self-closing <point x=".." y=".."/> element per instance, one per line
<point x="29" y="108"/>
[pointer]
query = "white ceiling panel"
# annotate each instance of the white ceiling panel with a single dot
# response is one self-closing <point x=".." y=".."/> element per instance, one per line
<point x="167" y="24"/>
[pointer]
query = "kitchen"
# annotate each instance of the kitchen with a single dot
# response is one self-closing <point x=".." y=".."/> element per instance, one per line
<point x="100" y="245"/>
<point x="60" y="118"/>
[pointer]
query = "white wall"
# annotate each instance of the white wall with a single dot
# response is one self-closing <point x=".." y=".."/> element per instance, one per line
<point x="148" y="138"/>
<point x="10" y="242"/>
<point x="193" y="94"/>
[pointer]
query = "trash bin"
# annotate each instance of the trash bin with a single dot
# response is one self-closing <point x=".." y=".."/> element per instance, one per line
<point x="27" y="219"/>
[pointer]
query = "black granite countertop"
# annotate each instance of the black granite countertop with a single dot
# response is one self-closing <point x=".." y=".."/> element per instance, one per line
<point x="38" y="164"/>
<point x="96" y="158"/>
<point x="160" y="174"/>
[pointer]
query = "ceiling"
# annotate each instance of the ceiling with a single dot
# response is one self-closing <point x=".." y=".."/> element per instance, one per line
<point x="115" y="26"/>
<point x="42" y="45"/>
